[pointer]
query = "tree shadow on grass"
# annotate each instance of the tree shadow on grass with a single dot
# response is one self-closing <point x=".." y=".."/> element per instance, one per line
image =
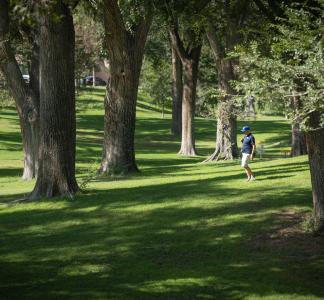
<point x="184" y="167"/>
<point x="140" y="243"/>
<point x="283" y="128"/>
<point x="11" y="172"/>
<point x="147" y="107"/>
<point x="11" y="138"/>
<point x="89" y="91"/>
<point x="177" y="167"/>
<point x="153" y="134"/>
<point x="176" y="240"/>
<point x="8" y="111"/>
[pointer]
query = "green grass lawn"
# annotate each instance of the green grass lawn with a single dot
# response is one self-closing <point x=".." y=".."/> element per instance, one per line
<point x="177" y="230"/>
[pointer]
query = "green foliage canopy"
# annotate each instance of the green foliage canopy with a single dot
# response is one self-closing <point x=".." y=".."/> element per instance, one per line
<point x="286" y="62"/>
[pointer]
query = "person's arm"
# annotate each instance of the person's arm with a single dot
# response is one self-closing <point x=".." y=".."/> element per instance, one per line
<point x="253" y="150"/>
<point x="253" y="147"/>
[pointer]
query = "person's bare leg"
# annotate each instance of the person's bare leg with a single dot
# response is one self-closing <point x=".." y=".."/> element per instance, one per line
<point x="249" y="172"/>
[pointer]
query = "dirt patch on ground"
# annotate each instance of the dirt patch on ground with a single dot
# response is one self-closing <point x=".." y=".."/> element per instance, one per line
<point x="288" y="237"/>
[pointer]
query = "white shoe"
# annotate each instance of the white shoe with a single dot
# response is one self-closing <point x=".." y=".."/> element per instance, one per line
<point x="252" y="178"/>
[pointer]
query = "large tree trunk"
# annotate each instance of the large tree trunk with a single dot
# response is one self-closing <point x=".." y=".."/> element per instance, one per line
<point x="226" y="144"/>
<point x="225" y="148"/>
<point x="120" y="114"/>
<point x="298" y="138"/>
<point x="315" y="145"/>
<point x="190" y="76"/>
<point x="221" y="44"/>
<point x="26" y="99"/>
<point x="126" y="51"/>
<point x="56" y="175"/>
<point x="177" y="92"/>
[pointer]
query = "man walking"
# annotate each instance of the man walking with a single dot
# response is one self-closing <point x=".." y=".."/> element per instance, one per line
<point x="248" y="149"/>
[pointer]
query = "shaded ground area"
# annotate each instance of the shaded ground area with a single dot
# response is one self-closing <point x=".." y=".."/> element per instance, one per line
<point x="177" y="230"/>
<point x="158" y="241"/>
<point x="290" y="236"/>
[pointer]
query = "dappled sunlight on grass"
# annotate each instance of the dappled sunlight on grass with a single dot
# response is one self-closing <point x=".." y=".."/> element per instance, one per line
<point x="177" y="230"/>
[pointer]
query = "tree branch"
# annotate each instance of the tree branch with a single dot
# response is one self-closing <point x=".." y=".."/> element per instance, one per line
<point x="71" y="3"/>
<point x="4" y="18"/>
<point x="141" y="33"/>
<point x="215" y="43"/>
<point x="114" y="28"/>
<point x="8" y="62"/>
<point x="142" y="29"/>
<point x="113" y="15"/>
<point x="267" y="12"/>
<point x="241" y="9"/>
<point x="200" y="5"/>
<point x="178" y="44"/>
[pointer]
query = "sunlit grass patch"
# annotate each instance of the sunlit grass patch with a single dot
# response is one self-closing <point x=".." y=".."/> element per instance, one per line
<point x="177" y="230"/>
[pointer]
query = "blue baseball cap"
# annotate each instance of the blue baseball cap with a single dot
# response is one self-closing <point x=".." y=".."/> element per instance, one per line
<point x="245" y="128"/>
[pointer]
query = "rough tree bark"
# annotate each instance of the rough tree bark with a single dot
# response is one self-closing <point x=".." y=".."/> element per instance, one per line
<point x="26" y="98"/>
<point x="298" y="137"/>
<point x="226" y="144"/>
<point x="190" y="61"/>
<point x="126" y="50"/>
<point x="190" y="75"/>
<point x="221" y="43"/>
<point x="177" y="92"/>
<point x="315" y="145"/>
<point x="56" y="175"/>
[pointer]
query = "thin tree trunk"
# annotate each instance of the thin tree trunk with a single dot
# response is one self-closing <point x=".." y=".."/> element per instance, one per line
<point x="177" y="92"/>
<point x="30" y="136"/>
<point x="126" y="51"/>
<point x="162" y="111"/>
<point x="76" y="86"/>
<point x="298" y="137"/>
<point x="56" y="174"/>
<point x="93" y="76"/>
<point x="190" y="76"/>
<point x="249" y="107"/>
<point x="34" y="117"/>
<point x="26" y="99"/>
<point x="190" y="62"/>
<point x="315" y="145"/>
